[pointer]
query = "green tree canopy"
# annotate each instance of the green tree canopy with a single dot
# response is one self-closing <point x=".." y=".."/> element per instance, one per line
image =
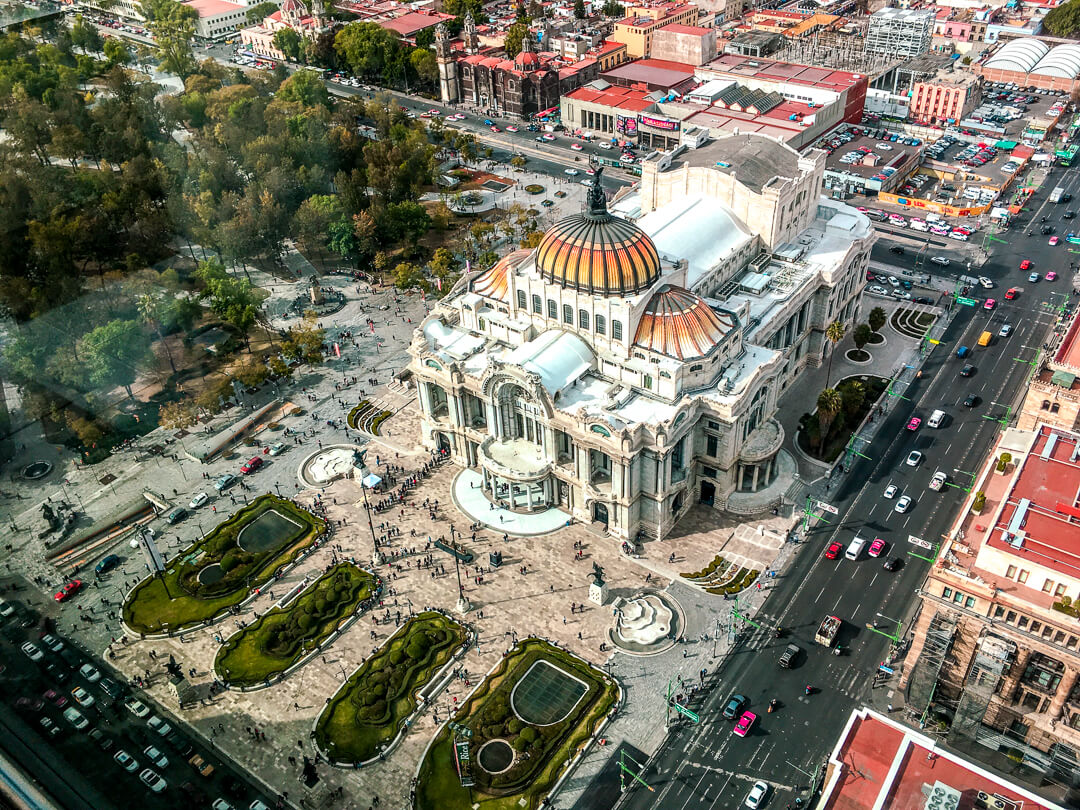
<point x="113" y="352"/>
<point x="257" y="13"/>
<point x="290" y="43"/>
<point x="1063" y="21"/>
<point x="514" y="35"/>
<point x="305" y="87"/>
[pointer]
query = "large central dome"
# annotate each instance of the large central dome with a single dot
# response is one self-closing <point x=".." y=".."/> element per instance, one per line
<point x="598" y="253"/>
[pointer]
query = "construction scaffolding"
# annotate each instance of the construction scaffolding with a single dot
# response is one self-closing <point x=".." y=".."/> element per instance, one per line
<point x="993" y="657"/>
<point x="837" y="51"/>
<point x="900" y="32"/>
<point x="927" y="669"/>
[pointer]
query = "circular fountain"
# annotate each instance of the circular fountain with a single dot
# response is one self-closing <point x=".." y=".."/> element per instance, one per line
<point x="36" y="469"/>
<point x="646" y="624"/>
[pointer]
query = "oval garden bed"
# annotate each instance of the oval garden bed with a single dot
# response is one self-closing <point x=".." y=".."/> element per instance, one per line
<point x="367" y="712"/>
<point x="283" y="636"/>
<point x="247" y="550"/>
<point x="534" y="188"/>
<point x="540" y="701"/>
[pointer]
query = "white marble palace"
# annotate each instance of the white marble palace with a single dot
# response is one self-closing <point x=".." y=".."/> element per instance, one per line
<point x="631" y="364"/>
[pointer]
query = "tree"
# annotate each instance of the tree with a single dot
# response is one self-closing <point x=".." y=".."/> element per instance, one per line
<point x="532" y="240"/>
<point x="150" y="311"/>
<point x="861" y="335"/>
<point x="853" y="393"/>
<point x="612" y="8"/>
<point x="304" y="87"/>
<point x="257" y="13"/>
<point x="173" y="26"/>
<point x="405" y="222"/>
<point x="116" y="52"/>
<point x="407" y="276"/>
<point x="876" y="319"/>
<point x="289" y="42"/>
<point x="514" y="36"/>
<point x="829" y="404"/>
<point x="426" y="67"/>
<point x="518" y="161"/>
<point x="234" y="300"/>
<point x="178" y="415"/>
<point x="579" y="9"/>
<point x="1063" y="21"/>
<point x="370" y="50"/>
<point x="112" y="354"/>
<point x="85" y="36"/>
<point x="834" y="333"/>
<point x="459" y="8"/>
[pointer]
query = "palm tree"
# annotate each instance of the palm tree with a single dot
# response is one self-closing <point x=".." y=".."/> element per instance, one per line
<point x="829" y="403"/>
<point x="876" y="319"/>
<point x="150" y="311"/>
<point x="834" y="332"/>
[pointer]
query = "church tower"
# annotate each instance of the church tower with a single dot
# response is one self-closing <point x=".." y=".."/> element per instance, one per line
<point x="449" y="87"/>
<point x="318" y="12"/>
<point x="468" y="33"/>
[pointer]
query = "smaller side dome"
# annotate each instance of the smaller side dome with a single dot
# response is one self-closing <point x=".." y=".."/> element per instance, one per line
<point x="679" y="324"/>
<point x="494" y="283"/>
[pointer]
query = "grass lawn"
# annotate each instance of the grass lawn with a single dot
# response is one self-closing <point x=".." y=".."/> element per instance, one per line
<point x="489" y="715"/>
<point x="178" y="600"/>
<point x="283" y="636"/>
<point x="368" y="710"/>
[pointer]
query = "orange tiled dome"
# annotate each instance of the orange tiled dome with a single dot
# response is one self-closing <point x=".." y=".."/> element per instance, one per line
<point x="679" y="324"/>
<point x="493" y="283"/>
<point x="598" y="253"/>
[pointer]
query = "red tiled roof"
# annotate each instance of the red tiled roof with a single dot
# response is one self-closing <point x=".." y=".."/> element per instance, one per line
<point x="408" y="24"/>
<point x="623" y="98"/>
<point x="679" y="28"/>
<point x="212" y="8"/>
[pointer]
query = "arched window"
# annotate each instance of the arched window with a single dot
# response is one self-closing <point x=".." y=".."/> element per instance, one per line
<point x="521" y="299"/>
<point x="1046" y="404"/>
<point x="537" y="308"/>
<point x="601" y="325"/>
<point x="583" y="319"/>
<point x="568" y="314"/>
<point x="616" y="330"/>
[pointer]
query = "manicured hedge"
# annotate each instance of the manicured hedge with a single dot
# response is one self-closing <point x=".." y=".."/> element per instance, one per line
<point x="368" y="710"/>
<point x="282" y="637"/>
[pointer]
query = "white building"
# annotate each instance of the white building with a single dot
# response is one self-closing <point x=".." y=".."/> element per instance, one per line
<point x="626" y="369"/>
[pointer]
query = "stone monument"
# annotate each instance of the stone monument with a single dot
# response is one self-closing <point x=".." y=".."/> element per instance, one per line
<point x="315" y="291"/>
<point x="598" y="590"/>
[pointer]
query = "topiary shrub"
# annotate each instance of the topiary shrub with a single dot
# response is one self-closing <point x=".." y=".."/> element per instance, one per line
<point x="230" y="560"/>
<point x="396" y="657"/>
<point x="519" y="744"/>
<point x="514" y="725"/>
<point x="528" y="734"/>
<point x="416" y="651"/>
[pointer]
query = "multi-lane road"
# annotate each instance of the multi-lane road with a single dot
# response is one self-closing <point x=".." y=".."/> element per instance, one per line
<point x="705" y="766"/>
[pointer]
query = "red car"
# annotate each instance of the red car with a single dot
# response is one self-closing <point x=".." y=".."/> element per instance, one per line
<point x="1011" y="293"/>
<point x="913" y="423"/>
<point x="746" y="722"/>
<point x="1025" y="264"/>
<point x="252" y="465"/>
<point x="69" y="589"/>
<point x="876" y="548"/>
<point x="55" y="697"/>
<point x="833" y="551"/>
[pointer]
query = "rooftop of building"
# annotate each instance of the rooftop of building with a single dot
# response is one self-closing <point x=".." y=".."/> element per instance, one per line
<point x="902" y="14"/>
<point x="646" y="21"/>
<point x="213" y="8"/>
<point x="679" y="28"/>
<point x="1039" y="516"/>
<point x="408" y="24"/>
<point x="1067" y="356"/>
<point x="880" y="763"/>
<point x="622" y="98"/>
<point x="752" y="159"/>
<point x="656" y="72"/>
<point x="770" y="69"/>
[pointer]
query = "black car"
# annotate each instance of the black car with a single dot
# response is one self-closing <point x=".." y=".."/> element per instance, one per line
<point x="967" y="371"/>
<point x="971" y="401"/>
<point x="892" y="564"/>
<point x="107" y="564"/>
<point x="1069" y="215"/>
<point x="1046" y="229"/>
<point x="57" y="673"/>
<point x="922" y="299"/>
<point x="897" y="249"/>
<point x="734" y="707"/>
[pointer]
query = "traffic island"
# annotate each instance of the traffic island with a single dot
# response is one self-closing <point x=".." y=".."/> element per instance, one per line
<point x="220" y="570"/>
<point x="374" y="705"/>
<point x="288" y="635"/>
<point x="824" y="439"/>
<point x="515" y="734"/>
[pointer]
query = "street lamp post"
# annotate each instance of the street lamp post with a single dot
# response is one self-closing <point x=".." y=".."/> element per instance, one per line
<point x="376" y="555"/>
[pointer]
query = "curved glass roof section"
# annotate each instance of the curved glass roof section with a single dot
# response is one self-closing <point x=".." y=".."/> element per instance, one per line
<point x="1021" y="55"/>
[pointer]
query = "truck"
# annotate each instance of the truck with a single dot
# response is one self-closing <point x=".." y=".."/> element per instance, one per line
<point x="827" y="630"/>
<point x="791" y="652"/>
<point x="1057" y="194"/>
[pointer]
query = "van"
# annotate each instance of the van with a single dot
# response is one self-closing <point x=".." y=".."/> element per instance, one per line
<point x="855" y="548"/>
<point x="963" y="352"/>
<point x="936" y="418"/>
<point x="985" y="338"/>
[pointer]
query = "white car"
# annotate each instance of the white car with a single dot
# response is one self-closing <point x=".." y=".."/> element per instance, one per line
<point x="199" y="499"/>
<point x="891" y="490"/>
<point x="985" y="282"/>
<point x="32" y="651"/>
<point x="903" y="504"/>
<point x="76" y="718"/>
<point x="159" y="725"/>
<point x="82" y="697"/>
<point x="277" y="448"/>
<point x="6" y="608"/>
<point x="153" y="781"/>
<point x="901" y="294"/>
<point x="126" y="761"/>
<point x="913" y="458"/>
<point x="136" y="707"/>
<point x="938" y="481"/>
<point x="756" y="797"/>
<point x="90" y="673"/>
<point x="894" y="281"/>
<point x="156" y="757"/>
<point x="877" y="289"/>
<point x="605" y="145"/>
<point x="571" y="172"/>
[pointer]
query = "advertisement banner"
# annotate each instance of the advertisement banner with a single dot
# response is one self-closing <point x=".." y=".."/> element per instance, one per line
<point x="626" y="124"/>
<point x="658" y="123"/>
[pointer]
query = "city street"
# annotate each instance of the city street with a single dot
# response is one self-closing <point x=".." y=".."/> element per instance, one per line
<point x="705" y="765"/>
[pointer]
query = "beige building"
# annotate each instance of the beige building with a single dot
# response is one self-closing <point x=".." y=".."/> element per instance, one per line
<point x="689" y="44"/>
<point x="1053" y="394"/>
<point x="631" y="364"/>
<point x="996" y="644"/>
<point x="641" y="22"/>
